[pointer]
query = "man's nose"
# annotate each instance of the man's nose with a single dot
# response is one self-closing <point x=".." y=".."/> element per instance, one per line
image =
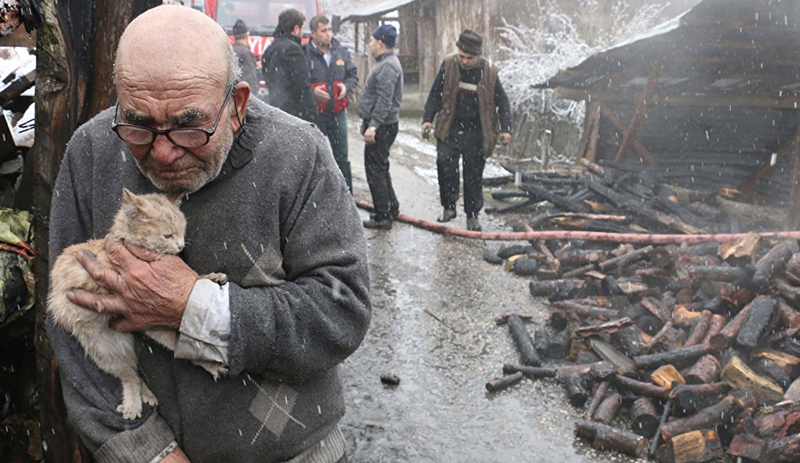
<point x="164" y="151"/>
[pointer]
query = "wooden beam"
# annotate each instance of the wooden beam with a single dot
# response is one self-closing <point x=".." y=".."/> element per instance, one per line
<point x="588" y="122"/>
<point x="638" y="115"/>
<point x="748" y="184"/>
<point x="591" y="149"/>
<point x="622" y="129"/>
<point x="784" y="102"/>
<point x="793" y="212"/>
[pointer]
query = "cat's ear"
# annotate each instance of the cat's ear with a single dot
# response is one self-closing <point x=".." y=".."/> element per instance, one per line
<point x="128" y="197"/>
<point x="175" y="198"/>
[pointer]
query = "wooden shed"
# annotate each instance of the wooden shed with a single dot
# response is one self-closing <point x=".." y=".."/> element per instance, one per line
<point x="708" y="99"/>
<point x="428" y="30"/>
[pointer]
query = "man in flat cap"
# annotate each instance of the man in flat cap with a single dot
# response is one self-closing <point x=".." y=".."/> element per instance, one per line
<point x="471" y="111"/>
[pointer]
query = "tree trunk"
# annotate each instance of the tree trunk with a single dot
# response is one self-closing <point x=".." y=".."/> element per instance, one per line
<point x="73" y="83"/>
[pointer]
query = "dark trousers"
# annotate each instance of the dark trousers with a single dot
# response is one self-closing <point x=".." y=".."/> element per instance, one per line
<point x="465" y="142"/>
<point x="334" y="126"/>
<point x="376" y="164"/>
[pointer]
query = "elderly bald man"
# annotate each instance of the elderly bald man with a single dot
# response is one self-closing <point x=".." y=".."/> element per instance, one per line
<point x="266" y="205"/>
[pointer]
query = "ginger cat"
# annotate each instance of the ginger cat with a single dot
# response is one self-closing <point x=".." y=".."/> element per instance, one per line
<point x="154" y="222"/>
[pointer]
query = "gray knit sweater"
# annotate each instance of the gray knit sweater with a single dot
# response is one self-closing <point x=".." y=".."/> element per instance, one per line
<point x="280" y="222"/>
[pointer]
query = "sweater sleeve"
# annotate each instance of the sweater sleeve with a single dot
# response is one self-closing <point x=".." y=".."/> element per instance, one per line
<point x="92" y="396"/>
<point x="321" y="312"/>
<point x="434" y="102"/>
<point x="503" y="107"/>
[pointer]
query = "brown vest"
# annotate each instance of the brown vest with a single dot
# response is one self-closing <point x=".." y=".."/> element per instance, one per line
<point x="490" y="121"/>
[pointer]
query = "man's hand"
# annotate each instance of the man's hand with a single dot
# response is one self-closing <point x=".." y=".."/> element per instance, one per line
<point x="320" y="94"/>
<point x="176" y="456"/>
<point x="505" y="137"/>
<point x="426" y="130"/>
<point x="369" y="136"/>
<point x="342" y="90"/>
<point x="147" y="290"/>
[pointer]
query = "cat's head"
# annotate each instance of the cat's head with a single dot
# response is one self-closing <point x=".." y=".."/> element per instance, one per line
<point x="152" y="221"/>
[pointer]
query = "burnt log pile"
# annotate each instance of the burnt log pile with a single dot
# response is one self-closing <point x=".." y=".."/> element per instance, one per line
<point x="619" y="198"/>
<point x="681" y="353"/>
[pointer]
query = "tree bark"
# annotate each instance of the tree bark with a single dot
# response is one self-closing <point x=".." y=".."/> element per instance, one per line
<point x="73" y="83"/>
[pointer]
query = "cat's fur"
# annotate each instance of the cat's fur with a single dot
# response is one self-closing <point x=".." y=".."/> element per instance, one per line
<point x="154" y="222"/>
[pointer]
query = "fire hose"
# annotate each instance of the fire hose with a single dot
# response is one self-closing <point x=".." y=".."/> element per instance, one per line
<point x="578" y="235"/>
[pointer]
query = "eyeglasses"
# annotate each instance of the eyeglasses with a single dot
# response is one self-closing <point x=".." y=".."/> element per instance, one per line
<point x="185" y="137"/>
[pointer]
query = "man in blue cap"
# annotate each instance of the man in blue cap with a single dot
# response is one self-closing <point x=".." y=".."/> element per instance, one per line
<point x="379" y="108"/>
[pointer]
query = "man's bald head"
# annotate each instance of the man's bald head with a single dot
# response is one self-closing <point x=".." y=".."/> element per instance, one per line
<point x="172" y="41"/>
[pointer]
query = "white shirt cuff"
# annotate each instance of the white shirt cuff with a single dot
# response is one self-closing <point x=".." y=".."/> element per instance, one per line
<point x="206" y="325"/>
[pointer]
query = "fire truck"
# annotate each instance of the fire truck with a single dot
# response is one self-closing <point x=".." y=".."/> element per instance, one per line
<point x="261" y="17"/>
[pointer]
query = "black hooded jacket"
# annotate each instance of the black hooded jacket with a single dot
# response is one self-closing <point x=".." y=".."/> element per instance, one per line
<point x="287" y="78"/>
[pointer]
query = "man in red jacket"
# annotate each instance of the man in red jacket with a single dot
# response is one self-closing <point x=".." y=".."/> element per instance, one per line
<point x="334" y="78"/>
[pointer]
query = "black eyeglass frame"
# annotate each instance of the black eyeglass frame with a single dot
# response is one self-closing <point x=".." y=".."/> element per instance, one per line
<point x="166" y="132"/>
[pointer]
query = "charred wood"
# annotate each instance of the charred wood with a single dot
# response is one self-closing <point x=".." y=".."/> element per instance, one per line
<point x="505" y="382"/>
<point x="678" y="357"/>
<point x="753" y="328"/>
<point x="609" y="408"/>
<point x="640" y="387"/>
<point x="772" y="262"/>
<point x="693" y="446"/>
<point x="706" y="370"/>
<point x="708" y="418"/>
<point x="644" y="417"/>
<point x="598" y="396"/>
<point x="603" y="436"/>
<point x="739" y="376"/>
<point x="530" y="372"/>
<point x="522" y="339"/>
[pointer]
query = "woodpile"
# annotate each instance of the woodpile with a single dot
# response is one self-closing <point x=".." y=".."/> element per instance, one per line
<point x="683" y="353"/>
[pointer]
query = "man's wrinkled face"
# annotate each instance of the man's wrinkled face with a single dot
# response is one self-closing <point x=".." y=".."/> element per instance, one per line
<point x="322" y="36"/>
<point x="193" y="102"/>
<point x="467" y="60"/>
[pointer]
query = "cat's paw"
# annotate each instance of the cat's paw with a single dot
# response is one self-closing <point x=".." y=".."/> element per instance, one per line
<point x="218" y="278"/>
<point x="148" y="397"/>
<point x="130" y="409"/>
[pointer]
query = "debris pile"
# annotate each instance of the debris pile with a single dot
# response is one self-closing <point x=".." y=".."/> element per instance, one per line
<point x="620" y="198"/>
<point x="685" y="353"/>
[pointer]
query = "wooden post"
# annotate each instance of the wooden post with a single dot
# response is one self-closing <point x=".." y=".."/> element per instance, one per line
<point x="638" y="115"/>
<point x="546" y="149"/>
<point x="73" y="83"/>
<point x="793" y="212"/>
<point x="591" y="149"/>
<point x="624" y="130"/>
<point x="588" y="127"/>
<point x="748" y="184"/>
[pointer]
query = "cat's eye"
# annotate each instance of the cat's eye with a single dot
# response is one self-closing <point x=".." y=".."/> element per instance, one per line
<point x="169" y="237"/>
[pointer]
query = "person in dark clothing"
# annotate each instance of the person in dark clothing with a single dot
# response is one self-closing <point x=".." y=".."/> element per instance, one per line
<point x="471" y="109"/>
<point x="286" y="70"/>
<point x="334" y="78"/>
<point x="379" y="109"/>
<point x="247" y="61"/>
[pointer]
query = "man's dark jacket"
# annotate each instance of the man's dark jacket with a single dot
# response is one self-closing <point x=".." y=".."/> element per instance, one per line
<point x="286" y="74"/>
<point x="341" y="69"/>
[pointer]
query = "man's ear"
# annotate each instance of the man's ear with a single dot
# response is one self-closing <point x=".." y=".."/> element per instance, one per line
<point x="241" y="95"/>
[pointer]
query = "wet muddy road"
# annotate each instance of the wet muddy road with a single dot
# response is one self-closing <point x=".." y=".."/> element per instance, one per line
<point x="434" y="305"/>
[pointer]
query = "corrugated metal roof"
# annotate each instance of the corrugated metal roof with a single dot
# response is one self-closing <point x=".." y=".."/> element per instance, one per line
<point x="375" y="9"/>
<point x="716" y="48"/>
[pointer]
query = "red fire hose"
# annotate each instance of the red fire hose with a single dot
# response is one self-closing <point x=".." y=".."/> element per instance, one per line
<point x="577" y="235"/>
